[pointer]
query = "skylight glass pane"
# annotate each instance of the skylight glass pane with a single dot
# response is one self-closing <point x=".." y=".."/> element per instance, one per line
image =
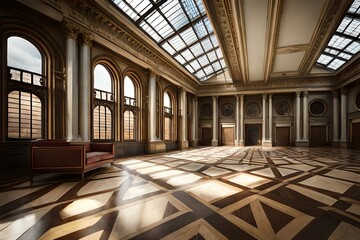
<point x="189" y="68"/>
<point x="200" y="29"/>
<point x="159" y="24"/>
<point x="344" y="23"/>
<point x="216" y="66"/>
<point x="203" y="60"/>
<point x="336" y="63"/>
<point x="200" y="74"/>
<point x="190" y="8"/>
<point x="206" y="44"/>
<point x="177" y="43"/>
<point x="214" y="41"/>
<point x="208" y="25"/>
<point x="353" y="29"/>
<point x="345" y="55"/>
<point x="208" y="70"/>
<point x="140" y="6"/>
<point x="223" y="64"/>
<point x="355" y="7"/>
<point x="212" y="56"/>
<point x="174" y="13"/>
<point x="168" y="48"/>
<point x="195" y="65"/>
<point x="324" y="59"/>
<point x="126" y="9"/>
<point x="150" y="31"/>
<point x="339" y="42"/>
<point x="197" y="49"/>
<point x="332" y="51"/>
<point x="353" y="48"/>
<point x="189" y="36"/>
<point x="219" y="53"/>
<point x="200" y="6"/>
<point x="180" y="59"/>
<point x="187" y="55"/>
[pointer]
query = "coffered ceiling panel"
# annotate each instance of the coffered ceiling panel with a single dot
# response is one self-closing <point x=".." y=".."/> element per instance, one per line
<point x="288" y="62"/>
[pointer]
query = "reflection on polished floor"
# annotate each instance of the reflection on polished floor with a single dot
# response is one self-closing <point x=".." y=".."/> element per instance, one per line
<point x="202" y="193"/>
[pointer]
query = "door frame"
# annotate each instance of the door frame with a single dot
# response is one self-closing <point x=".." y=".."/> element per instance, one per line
<point x="227" y="125"/>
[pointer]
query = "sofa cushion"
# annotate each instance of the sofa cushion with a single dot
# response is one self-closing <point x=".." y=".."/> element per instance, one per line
<point x="106" y="155"/>
<point x="92" y="157"/>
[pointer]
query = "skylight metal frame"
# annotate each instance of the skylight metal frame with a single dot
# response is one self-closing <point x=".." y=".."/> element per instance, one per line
<point x="182" y="29"/>
<point x="345" y="43"/>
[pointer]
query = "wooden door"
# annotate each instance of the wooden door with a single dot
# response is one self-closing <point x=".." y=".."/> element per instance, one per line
<point x="253" y="134"/>
<point x="355" y="133"/>
<point x="282" y="136"/>
<point x="227" y="136"/>
<point x="318" y="136"/>
<point x="206" y="136"/>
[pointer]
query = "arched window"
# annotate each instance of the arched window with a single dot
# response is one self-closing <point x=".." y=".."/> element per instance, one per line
<point x="168" y="117"/>
<point x="103" y="104"/>
<point x="27" y="91"/>
<point x="130" y="109"/>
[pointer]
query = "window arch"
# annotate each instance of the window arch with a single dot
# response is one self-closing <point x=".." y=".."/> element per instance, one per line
<point x="27" y="90"/>
<point x="103" y="117"/>
<point x="168" y="117"/>
<point x="130" y="109"/>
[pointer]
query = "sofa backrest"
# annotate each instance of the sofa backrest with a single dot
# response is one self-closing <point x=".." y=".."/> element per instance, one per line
<point x="49" y="142"/>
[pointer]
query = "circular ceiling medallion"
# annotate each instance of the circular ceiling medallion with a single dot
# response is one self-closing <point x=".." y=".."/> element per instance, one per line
<point x="227" y="110"/>
<point x="317" y="107"/>
<point x="282" y="108"/>
<point x="253" y="110"/>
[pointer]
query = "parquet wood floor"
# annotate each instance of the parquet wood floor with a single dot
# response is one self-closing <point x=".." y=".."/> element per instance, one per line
<point x="201" y="193"/>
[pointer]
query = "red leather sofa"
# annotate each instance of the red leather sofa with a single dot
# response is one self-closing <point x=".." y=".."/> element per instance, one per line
<point x="60" y="156"/>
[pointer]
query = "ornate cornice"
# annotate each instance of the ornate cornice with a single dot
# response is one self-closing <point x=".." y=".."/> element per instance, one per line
<point x="221" y="15"/>
<point x="90" y="18"/>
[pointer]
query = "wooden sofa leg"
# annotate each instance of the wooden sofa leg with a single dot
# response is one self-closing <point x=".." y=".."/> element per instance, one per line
<point x="82" y="176"/>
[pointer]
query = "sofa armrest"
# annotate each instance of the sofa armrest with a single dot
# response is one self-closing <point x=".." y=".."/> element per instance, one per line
<point x="48" y="157"/>
<point x="103" y="147"/>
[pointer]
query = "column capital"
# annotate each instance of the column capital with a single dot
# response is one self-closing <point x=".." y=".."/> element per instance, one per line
<point x="86" y="38"/>
<point x="343" y="90"/>
<point x="297" y="94"/>
<point x="70" y="29"/>
<point x="305" y="93"/>
<point x="214" y="98"/>
<point x="335" y="93"/>
<point x="264" y="95"/>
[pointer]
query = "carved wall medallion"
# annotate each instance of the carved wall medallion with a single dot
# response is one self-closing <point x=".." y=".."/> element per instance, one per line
<point x="252" y="110"/>
<point x="227" y="110"/>
<point x="357" y="100"/>
<point x="206" y="111"/>
<point x="317" y="107"/>
<point x="282" y="108"/>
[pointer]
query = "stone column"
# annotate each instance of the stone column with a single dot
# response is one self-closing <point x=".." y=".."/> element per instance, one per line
<point x="335" y="118"/>
<point x="184" y="142"/>
<point x="263" y="119"/>
<point x="241" y="141"/>
<point x="84" y="88"/>
<point x="194" y="130"/>
<point x="305" y="118"/>
<point x="298" y="119"/>
<point x="270" y="121"/>
<point x="237" y="121"/>
<point x="343" y="119"/>
<point x="215" y="141"/>
<point x="72" y="84"/>
<point x="155" y="145"/>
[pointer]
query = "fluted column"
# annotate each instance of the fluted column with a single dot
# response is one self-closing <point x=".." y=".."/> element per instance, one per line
<point x="72" y="84"/>
<point x="152" y="107"/>
<point x="184" y="141"/>
<point x="298" y="119"/>
<point x="305" y="117"/>
<point x="237" y="121"/>
<point x="84" y="88"/>
<point x="194" y="130"/>
<point x="343" y="118"/>
<point x="270" y="119"/>
<point x="241" y="141"/>
<point x="263" y="118"/>
<point x="214" y="141"/>
<point x="335" y="117"/>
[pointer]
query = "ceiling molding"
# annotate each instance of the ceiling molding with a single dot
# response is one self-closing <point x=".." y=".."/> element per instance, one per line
<point x="275" y="9"/>
<point x="221" y="16"/>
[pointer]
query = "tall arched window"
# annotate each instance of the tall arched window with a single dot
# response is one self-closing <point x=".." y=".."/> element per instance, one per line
<point x="168" y="117"/>
<point x="130" y="109"/>
<point x="103" y="104"/>
<point x="27" y="90"/>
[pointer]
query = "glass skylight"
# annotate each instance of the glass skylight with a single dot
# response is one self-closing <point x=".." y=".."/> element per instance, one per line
<point x="182" y="29"/>
<point x="345" y="42"/>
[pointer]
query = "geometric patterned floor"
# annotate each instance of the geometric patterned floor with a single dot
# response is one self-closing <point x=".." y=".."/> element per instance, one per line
<point x="202" y="193"/>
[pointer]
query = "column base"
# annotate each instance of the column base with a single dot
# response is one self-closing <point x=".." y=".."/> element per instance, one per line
<point x="343" y="144"/>
<point x="214" y="143"/>
<point x="301" y="143"/>
<point x="155" y="147"/>
<point x="183" y="144"/>
<point x="194" y="143"/>
<point x="267" y="143"/>
<point x="239" y="143"/>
